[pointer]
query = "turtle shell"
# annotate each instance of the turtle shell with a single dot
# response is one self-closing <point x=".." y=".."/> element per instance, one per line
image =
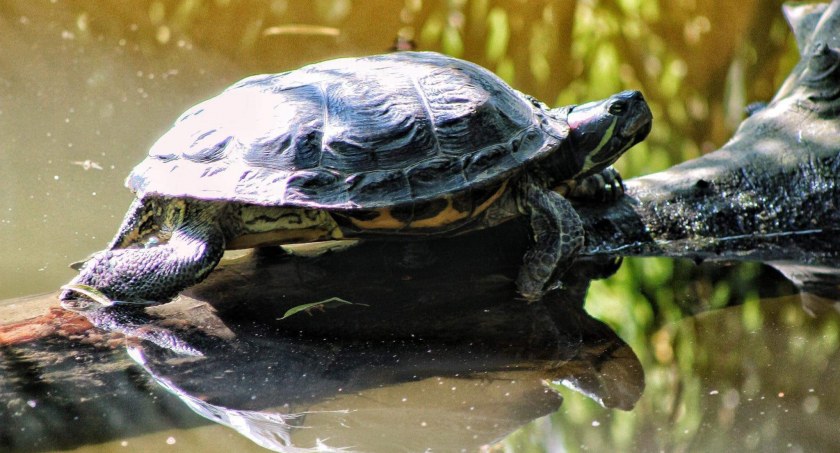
<point x="352" y="133"/>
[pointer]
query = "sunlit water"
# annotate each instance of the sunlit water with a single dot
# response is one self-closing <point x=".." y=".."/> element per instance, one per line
<point x="84" y="91"/>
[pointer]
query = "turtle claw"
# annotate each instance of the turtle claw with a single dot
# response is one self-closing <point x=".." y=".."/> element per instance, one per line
<point x="530" y="289"/>
<point x="604" y="186"/>
<point x="88" y="293"/>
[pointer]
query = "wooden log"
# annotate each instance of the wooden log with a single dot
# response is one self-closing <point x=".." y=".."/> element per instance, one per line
<point x="770" y="193"/>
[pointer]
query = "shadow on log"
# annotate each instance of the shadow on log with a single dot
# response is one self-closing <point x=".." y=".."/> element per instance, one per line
<point x="434" y="335"/>
<point x="428" y="334"/>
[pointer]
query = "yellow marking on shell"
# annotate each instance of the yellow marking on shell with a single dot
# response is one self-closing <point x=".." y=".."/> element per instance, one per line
<point x="446" y="216"/>
<point x="483" y="206"/>
<point x="271" y="225"/>
<point x="335" y="232"/>
<point x="277" y="237"/>
<point x="383" y="221"/>
<point x="386" y="221"/>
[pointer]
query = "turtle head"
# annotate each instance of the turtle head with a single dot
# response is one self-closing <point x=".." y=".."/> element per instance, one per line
<point x="601" y="131"/>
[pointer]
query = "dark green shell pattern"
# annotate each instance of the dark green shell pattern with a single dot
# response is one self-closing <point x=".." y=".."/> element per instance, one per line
<point x="386" y="130"/>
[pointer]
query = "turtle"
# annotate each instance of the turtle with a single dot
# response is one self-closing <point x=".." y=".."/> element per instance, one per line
<point x="401" y="145"/>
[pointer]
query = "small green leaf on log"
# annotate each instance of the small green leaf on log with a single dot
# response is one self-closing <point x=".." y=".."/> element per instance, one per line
<point x="320" y="305"/>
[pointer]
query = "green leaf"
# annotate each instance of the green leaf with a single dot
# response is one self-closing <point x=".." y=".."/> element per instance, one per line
<point x="323" y="304"/>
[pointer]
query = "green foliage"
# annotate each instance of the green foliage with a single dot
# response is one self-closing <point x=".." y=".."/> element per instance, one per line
<point x="498" y="34"/>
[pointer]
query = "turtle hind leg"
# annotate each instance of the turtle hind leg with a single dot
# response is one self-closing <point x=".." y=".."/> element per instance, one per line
<point x="131" y="224"/>
<point x="158" y="272"/>
<point x="558" y="236"/>
<point x="129" y="229"/>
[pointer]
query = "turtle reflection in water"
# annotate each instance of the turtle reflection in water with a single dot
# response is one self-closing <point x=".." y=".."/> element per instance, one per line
<point x="409" y="144"/>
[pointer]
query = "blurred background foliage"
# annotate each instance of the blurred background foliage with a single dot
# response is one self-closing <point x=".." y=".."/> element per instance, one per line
<point x="698" y="62"/>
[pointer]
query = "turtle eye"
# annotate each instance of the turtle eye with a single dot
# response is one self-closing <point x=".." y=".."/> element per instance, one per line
<point x="617" y="107"/>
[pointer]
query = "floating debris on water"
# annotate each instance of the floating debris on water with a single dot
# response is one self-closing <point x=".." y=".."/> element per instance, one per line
<point x="87" y="164"/>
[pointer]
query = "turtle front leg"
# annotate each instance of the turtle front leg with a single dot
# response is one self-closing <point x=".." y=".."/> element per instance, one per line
<point x="558" y="236"/>
<point x="157" y="272"/>
<point x="604" y="186"/>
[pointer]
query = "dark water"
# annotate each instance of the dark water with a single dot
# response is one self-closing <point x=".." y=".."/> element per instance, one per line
<point x="437" y="353"/>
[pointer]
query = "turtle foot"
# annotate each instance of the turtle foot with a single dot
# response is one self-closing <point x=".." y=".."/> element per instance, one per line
<point x="604" y="186"/>
<point x="558" y="235"/>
